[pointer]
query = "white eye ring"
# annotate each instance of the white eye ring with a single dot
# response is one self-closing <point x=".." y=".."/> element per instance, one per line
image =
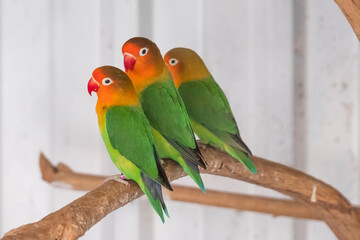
<point x="143" y="51"/>
<point x="106" y="81"/>
<point x="173" y="61"/>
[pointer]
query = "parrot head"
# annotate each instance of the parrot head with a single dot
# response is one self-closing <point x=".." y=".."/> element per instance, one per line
<point x="112" y="86"/>
<point x="185" y="65"/>
<point x="142" y="58"/>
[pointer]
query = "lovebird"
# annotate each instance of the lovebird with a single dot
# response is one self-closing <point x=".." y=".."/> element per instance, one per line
<point x="208" y="108"/>
<point x="127" y="135"/>
<point x="163" y="106"/>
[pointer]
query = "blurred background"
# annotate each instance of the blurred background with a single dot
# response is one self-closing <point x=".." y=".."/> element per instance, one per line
<point x="290" y="69"/>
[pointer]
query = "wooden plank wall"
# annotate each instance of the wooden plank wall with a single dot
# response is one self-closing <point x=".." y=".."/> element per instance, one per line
<point x="290" y="70"/>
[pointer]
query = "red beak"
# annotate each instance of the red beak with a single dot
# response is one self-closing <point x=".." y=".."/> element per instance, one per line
<point x="129" y="62"/>
<point x="93" y="86"/>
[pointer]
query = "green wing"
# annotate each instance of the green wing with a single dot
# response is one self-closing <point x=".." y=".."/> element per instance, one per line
<point x="207" y="104"/>
<point x="167" y="114"/>
<point x="129" y="132"/>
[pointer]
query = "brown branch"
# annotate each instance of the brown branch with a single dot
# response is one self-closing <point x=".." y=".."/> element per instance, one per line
<point x="273" y="206"/>
<point x="351" y="10"/>
<point x="327" y="203"/>
<point x="63" y="175"/>
<point x="276" y="207"/>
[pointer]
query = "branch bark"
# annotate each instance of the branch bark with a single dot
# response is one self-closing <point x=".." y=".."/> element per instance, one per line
<point x="351" y="10"/>
<point x="325" y="202"/>
<point x="62" y="175"/>
<point x="273" y="206"/>
<point x="276" y="207"/>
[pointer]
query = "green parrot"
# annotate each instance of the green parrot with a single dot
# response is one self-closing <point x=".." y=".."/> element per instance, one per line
<point x="163" y="106"/>
<point x="207" y="106"/>
<point x="127" y="134"/>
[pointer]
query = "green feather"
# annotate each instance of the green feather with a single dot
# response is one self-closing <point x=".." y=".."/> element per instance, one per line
<point x="174" y="137"/>
<point x="166" y="113"/>
<point x="130" y="143"/>
<point x="212" y="118"/>
<point x="166" y="150"/>
<point x="131" y="136"/>
<point x="154" y="194"/>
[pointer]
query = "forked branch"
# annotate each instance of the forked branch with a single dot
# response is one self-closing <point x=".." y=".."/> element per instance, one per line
<point x="324" y="201"/>
<point x="61" y="174"/>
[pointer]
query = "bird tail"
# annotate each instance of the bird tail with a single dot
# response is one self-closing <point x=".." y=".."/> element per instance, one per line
<point x="193" y="171"/>
<point x="153" y="191"/>
<point x="162" y="178"/>
<point x="242" y="157"/>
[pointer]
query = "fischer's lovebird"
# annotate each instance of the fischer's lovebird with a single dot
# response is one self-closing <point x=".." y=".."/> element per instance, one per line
<point x="163" y="106"/>
<point x="127" y="135"/>
<point x="207" y="106"/>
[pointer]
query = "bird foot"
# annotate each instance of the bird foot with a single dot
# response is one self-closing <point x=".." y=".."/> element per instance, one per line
<point x="119" y="178"/>
<point x="123" y="176"/>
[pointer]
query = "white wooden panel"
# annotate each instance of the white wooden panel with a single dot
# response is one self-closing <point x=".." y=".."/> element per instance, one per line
<point x="225" y="53"/>
<point x="119" y="21"/>
<point x="169" y="19"/>
<point x="249" y="51"/>
<point x="183" y="224"/>
<point x="177" y="24"/>
<point x="271" y="81"/>
<point x="126" y="26"/>
<point x="2" y="197"/>
<point x="299" y="111"/>
<point x="77" y="141"/>
<point x="106" y="57"/>
<point x="332" y="81"/>
<point x="26" y="109"/>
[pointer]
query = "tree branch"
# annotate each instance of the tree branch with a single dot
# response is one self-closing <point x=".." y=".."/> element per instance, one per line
<point x="327" y="203"/>
<point x="276" y="207"/>
<point x="273" y="206"/>
<point x="351" y="10"/>
<point x="62" y="175"/>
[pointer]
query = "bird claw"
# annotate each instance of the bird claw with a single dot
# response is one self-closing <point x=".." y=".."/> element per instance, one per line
<point x="119" y="178"/>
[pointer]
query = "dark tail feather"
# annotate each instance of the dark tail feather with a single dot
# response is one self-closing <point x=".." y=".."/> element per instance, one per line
<point x="193" y="171"/>
<point x="241" y="143"/>
<point x="194" y="156"/>
<point x="191" y="154"/>
<point x="162" y="178"/>
<point x="153" y="191"/>
<point x="202" y="161"/>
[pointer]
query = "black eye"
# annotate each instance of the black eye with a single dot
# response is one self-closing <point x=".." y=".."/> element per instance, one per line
<point x="173" y="61"/>
<point x="106" y="81"/>
<point x="143" y="51"/>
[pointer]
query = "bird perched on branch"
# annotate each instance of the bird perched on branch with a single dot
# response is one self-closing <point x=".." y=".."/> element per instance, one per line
<point x="127" y="135"/>
<point x="208" y="108"/>
<point x="162" y="105"/>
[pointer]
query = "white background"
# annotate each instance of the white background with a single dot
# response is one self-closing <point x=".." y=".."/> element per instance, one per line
<point x="290" y="69"/>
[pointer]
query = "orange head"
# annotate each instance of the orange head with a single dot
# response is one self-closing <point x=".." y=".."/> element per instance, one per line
<point x="112" y="86"/>
<point x="142" y="58"/>
<point x="185" y="65"/>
